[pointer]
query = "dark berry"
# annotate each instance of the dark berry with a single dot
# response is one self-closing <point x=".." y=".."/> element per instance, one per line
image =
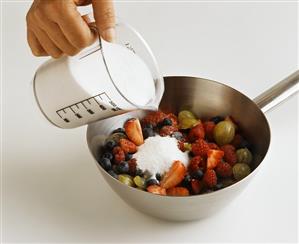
<point x="113" y="174"/>
<point x="158" y="176"/>
<point x="106" y="163"/>
<point x="218" y="186"/>
<point x="122" y="168"/>
<point x="166" y="122"/>
<point x="139" y="172"/>
<point x="129" y="156"/>
<point x="148" y="132"/>
<point x="186" y="181"/>
<point x="198" y="174"/>
<point x="217" y="119"/>
<point x="110" y="145"/>
<point x="119" y="130"/>
<point x="244" y="144"/>
<point x="150" y="126"/>
<point x="177" y="135"/>
<point x="108" y="155"/>
<point x="150" y="182"/>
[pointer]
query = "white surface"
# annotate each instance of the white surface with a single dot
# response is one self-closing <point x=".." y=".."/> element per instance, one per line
<point x="52" y="191"/>
<point x="158" y="153"/>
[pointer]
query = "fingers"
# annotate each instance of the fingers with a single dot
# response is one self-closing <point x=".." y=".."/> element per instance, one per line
<point x="105" y="18"/>
<point x="34" y="44"/>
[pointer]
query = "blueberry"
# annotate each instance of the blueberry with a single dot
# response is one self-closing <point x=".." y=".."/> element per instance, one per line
<point x="110" y="144"/>
<point x="167" y="121"/>
<point x="139" y="172"/>
<point x="108" y="155"/>
<point x="106" y="163"/>
<point x="129" y="156"/>
<point x="244" y="144"/>
<point x="148" y="132"/>
<point x="177" y="135"/>
<point x="186" y="181"/>
<point x="150" y="182"/>
<point x="198" y="174"/>
<point x="122" y="168"/>
<point x="113" y="174"/>
<point x="216" y="119"/>
<point x="218" y="186"/>
<point x="119" y="130"/>
<point x="158" y="176"/>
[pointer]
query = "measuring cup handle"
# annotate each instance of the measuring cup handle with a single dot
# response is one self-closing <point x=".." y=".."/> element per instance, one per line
<point x="278" y="93"/>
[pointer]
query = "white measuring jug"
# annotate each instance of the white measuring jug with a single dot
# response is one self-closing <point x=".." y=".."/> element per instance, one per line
<point x="104" y="80"/>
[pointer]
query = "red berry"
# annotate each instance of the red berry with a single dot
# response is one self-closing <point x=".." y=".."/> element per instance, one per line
<point x="213" y="146"/>
<point x="210" y="178"/>
<point x="224" y="170"/>
<point x="119" y="154"/>
<point x="200" y="148"/>
<point x="167" y="130"/>
<point x="154" y="118"/>
<point x="197" y="132"/>
<point x="230" y="155"/>
<point x="132" y="166"/>
<point x="209" y="128"/>
<point x="196" y="186"/>
<point x="214" y="157"/>
<point x="196" y="163"/>
<point x="127" y="146"/>
<point x="236" y="142"/>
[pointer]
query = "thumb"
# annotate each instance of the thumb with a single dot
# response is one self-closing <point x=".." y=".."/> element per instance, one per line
<point x="103" y="11"/>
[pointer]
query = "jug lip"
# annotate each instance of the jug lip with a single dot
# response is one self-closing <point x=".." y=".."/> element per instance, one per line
<point x="157" y="78"/>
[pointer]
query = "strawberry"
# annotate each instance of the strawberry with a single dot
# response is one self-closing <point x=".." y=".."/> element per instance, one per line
<point x="210" y="178"/>
<point x="167" y="130"/>
<point x="174" y="176"/>
<point x="132" y="166"/>
<point x="155" y="189"/>
<point x="196" y="186"/>
<point x="119" y="154"/>
<point x="154" y="118"/>
<point x="127" y="146"/>
<point x="230" y="155"/>
<point x="197" y="132"/>
<point x="214" y="157"/>
<point x="177" y="191"/>
<point x="134" y="131"/>
<point x="200" y="147"/>
<point x="224" y="170"/>
<point x="196" y="163"/>
<point x="209" y="128"/>
<point x="213" y="146"/>
<point x="236" y="142"/>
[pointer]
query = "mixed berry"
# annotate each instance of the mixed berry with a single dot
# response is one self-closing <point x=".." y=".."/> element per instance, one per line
<point x="218" y="154"/>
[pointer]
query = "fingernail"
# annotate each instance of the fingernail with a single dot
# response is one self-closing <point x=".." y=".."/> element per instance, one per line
<point x="109" y="35"/>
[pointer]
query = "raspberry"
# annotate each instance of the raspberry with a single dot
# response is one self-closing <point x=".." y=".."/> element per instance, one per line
<point x="196" y="186"/>
<point x="230" y="155"/>
<point x="167" y="130"/>
<point x="213" y="146"/>
<point x="224" y="170"/>
<point x="210" y="178"/>
<point x="236" y="142"/>
<point x="127" y="146"/>
<point x="197" y="132"/>
<point x="119" y="154"/>
<point x="153" y="118"/>
<point x="196" y="163"/>
<point x="209" y="128"/>
<point x="132" y="166"/>
<point x="200" y="147"/>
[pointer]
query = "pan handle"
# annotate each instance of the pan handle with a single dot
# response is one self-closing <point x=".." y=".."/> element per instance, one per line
<point x="278" y="93"/>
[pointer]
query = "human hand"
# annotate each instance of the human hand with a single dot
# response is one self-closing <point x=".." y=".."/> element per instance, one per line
<point x="55" y="27"/>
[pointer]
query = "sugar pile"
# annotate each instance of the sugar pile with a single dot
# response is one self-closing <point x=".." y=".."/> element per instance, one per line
<point x="158" y="153"/>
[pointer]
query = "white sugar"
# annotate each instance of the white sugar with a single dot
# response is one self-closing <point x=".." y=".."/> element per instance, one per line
<point x="158" y="153"/>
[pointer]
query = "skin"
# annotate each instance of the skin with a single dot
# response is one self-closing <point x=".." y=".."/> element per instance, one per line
<point x="56" y="28"/>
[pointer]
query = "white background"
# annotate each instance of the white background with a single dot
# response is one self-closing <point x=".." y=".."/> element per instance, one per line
<point x="52" y="190"/>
